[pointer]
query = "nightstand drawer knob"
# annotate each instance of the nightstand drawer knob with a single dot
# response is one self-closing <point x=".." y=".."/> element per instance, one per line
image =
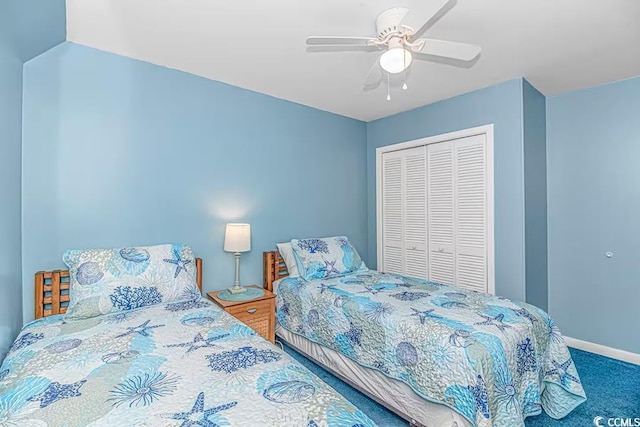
<point x="252" y="310"/>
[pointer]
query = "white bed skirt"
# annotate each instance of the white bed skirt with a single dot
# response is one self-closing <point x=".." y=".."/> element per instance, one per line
<point x="395" y="395"/>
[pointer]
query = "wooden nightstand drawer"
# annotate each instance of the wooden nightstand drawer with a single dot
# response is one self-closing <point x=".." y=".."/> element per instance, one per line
<point x="258" y="314"/>
<point x="251" y="310"/>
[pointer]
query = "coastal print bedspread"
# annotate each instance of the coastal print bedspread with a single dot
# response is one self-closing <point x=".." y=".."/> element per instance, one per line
<point x="178" y="364"/>
<point x="492" y="360"/>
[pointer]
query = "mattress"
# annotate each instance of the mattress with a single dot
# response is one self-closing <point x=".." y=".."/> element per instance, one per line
<point x="492" y="360"/>
<point x="181" y="363"/>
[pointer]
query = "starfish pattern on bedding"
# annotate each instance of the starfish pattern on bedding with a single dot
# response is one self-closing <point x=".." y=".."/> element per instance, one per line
<point x="56" y="391"/>
<point x="142" y="329"/>
<point x="198" y="416"/>
<point x="523" y="312"/>
<point x="330" y="267"/>
<point x="181" y="264"/>
<point x="353" y="334"/>
<point x="494" y="321"/>
<point x="198" y="342"/>
<point x="424" y="315"/>
<point x="562" y="371"/>
<point x="370" y="289"/>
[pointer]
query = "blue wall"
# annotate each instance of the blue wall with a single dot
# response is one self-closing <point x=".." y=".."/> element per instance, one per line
<point x="10" y="131"/>
<point x="34" y="26"/>
<point x="500" y="105"/>
<point x="22" y="36"/>
<point x="535" y="195"/>
<point x="122" y="152"/>
<point x="593" y="153"/>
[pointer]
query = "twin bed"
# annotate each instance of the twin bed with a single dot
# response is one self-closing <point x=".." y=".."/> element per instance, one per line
<point x="436" y="355"/>
<point x="152" y="360"/>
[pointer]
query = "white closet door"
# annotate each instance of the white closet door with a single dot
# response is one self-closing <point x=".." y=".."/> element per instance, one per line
<point x="415" y="212"/>
<point x="392" y="212"/>
<point x="435" y="212"/>
<point x="457" y="201"/>
<point x="441" y="220"/>
<point x="471" y="213"/>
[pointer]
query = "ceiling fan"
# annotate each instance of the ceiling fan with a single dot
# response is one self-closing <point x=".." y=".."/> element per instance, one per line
<point x="398" y="34"/>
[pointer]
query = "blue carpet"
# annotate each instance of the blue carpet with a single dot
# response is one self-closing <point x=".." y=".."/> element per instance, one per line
<point x="612" y="387"/>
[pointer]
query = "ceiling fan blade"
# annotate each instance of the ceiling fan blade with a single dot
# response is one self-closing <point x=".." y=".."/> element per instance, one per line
<point x="338" y="41"/>
<point x="374" y="76"/>
<point x="447" y="49"/>
<point x="425" y="14"/>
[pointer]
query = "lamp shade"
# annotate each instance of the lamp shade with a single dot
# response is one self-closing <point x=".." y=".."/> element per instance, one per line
<point x="237" y="238"/>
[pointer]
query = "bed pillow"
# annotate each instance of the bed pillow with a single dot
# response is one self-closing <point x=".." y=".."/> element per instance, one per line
<point x="326" y="257"/>
<point x="286" y="251"/>
<point x="111" y="280"/>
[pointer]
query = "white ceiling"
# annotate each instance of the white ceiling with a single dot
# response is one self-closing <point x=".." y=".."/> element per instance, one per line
<point x="558" y="45"/>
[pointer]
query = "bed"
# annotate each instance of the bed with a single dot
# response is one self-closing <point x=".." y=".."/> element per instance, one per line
<point x="178" y="363"/>
<point x="436" y="355"/>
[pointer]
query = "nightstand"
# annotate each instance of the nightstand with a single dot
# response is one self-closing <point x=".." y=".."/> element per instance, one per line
<point x="259" y="313"/>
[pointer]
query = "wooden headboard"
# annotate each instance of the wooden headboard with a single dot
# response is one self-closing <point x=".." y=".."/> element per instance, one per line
<point x="274" y="268"/>
<point x="52" y="290"/>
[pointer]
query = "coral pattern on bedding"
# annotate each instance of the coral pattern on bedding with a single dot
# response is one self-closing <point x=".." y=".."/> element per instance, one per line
<point x="175" y="364"/>
<point x="493" y="360"/>
<point x="110" y="280"/>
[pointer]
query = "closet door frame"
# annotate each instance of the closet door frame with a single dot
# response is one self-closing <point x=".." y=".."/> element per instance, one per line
<point x="487" y="131"/>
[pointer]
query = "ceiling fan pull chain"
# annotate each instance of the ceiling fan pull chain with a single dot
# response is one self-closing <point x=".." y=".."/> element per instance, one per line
<point x="388" y="88"/>
<point x="404" y="72"/>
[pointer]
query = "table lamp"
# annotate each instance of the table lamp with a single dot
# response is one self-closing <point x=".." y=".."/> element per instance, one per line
<point x="237" y="239"/>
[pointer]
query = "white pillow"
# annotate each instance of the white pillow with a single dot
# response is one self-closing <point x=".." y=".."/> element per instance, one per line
<point x="286" y="251"/>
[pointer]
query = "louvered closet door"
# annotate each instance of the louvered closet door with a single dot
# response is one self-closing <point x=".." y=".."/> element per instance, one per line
<point x="457" y="211"/>
<point x="441" y="220"/>
<point x="392" y="213"/>
<point x="415" y="212"/>
<point x="404" y="212"/>
<point x="471" y="213"/>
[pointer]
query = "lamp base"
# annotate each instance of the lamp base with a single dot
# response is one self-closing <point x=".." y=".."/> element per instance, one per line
<point x="237" y="290"/>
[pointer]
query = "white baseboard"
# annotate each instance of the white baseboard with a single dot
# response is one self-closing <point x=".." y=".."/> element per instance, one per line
<point x="614" y="353"/>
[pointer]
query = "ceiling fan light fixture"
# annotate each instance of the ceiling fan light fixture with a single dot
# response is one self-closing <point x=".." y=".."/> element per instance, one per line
<point x="396" y="60"/>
